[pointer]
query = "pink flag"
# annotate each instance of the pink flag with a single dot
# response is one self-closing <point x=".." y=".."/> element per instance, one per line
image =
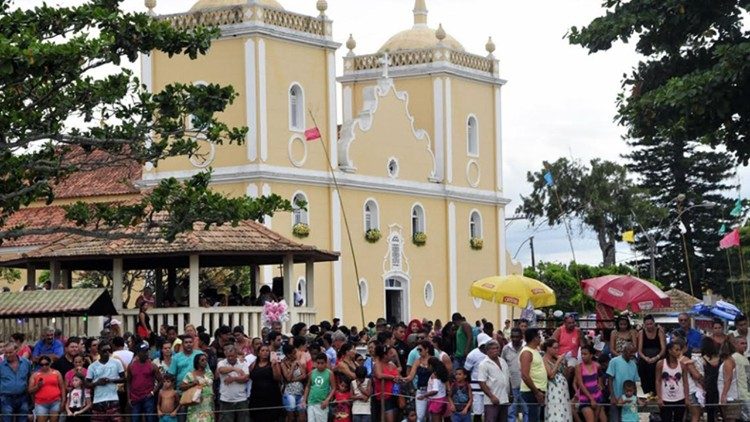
<point x="312" y="134"/>
<point x="730" y="240"/>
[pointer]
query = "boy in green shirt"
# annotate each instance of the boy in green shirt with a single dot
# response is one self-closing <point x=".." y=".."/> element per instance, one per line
<point x="319" y="390"/>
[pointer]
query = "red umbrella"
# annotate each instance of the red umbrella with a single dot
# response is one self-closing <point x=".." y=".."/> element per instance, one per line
<point x="625" y="292"/>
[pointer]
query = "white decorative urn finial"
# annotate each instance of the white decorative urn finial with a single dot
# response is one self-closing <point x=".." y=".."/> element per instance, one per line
<point x="150" y="5"/>
<point x="322" y="7"/>
<point x="490" y="46"/>
<point x="440" y="33"/>
<point x="351" y="44"/>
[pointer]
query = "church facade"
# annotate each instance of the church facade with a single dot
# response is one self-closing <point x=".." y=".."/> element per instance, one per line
<point x="417" y="156"/>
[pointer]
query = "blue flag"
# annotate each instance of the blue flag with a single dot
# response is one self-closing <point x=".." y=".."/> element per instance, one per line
<point x="548" y="178"/>
<point x="737" y="210"/>
<point x="723" y="229"/>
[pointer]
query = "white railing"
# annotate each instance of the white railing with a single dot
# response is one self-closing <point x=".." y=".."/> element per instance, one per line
<point x="212" y="318"/>
<point x="34" y="327"/>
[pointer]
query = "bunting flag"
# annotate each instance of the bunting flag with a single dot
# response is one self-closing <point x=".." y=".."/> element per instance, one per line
<point x="737" y="210"/>
<point x="683" y="228"/>
<point x="731" y="240"/>
<point x="723" y="229"/>
<point x="548" y="178"/>
<point x="628" y="236"/>
<point x="312" y="134"/>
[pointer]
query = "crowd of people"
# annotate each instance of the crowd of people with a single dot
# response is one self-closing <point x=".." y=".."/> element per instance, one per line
<point x="418" y="371"/>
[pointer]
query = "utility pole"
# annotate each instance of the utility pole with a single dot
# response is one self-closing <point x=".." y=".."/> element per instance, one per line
<point x="652" y="249"/>
<point x="531" y="246"/>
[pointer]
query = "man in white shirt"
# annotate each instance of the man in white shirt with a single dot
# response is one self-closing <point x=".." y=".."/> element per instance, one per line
<point x="510" y="355"/>
<point x="120" y="352"/>
<point x="740" y="324"/>
<point x="494" y="379"/>
<point x="250" y="360"/>
<point x="233" y="394"/>
<point x="473" y="359"/>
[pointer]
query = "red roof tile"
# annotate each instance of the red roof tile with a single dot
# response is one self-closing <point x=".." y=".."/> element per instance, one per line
<point x="33" y="218"/>
<point x="101" y="174"/>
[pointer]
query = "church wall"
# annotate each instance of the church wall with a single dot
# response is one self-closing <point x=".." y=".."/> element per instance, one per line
<point x="477" y="99"/>
<point x="289" y="63"/>
<point x="224" y="65"/>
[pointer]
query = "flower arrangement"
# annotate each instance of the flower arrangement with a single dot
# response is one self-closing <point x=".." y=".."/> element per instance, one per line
<point x="372" y="235"/>
<point x="301" y="230"/>
<point x="419" y="238"/>
<point x="476" y="243"/>
<point x="274" y="312"/>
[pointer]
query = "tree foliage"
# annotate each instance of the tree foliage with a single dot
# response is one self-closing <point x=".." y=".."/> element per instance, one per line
<point x="65" y="92"/>
<point x="599" y="195"/>
<point x="693" y="81"/>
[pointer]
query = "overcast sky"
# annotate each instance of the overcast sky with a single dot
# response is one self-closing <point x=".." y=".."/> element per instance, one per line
<point x="559" y="101"/>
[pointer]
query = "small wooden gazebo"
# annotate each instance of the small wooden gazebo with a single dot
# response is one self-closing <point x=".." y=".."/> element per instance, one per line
<point x="246" y="244"/>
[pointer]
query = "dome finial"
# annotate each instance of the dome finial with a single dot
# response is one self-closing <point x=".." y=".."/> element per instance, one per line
<point x="490" y="46"/>
<point x="322" y="6"/>
<point x="351" y="44"/>
<point x="420" y="13"/>
<point x="150" y="4"/>
<point x="440" y="33"/>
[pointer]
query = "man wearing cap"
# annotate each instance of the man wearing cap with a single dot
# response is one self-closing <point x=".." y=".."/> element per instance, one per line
<point x="143" y="380"/>
<point x="473" y="359"/>
<point x="510" y="355"/>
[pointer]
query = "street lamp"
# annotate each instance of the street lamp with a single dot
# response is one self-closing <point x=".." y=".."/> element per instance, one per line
<point x="681" y="209"/>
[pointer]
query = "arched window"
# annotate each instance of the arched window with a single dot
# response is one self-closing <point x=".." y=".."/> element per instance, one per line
<point x="475" y="225"/>
<point x="417" y="220"/>
<point x="372" y="215"/>
<point x="296" y="108"/>
<point x="300" y="209"/>
<point x="472" y="136"/>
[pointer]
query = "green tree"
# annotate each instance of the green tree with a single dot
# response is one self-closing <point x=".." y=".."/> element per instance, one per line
<point x="600" y="196"/>
<point x="64" y="64"/>
<point x="693" y="80"/>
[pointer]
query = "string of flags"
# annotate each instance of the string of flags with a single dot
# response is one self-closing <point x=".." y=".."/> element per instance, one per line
<point x="732" y="238"/>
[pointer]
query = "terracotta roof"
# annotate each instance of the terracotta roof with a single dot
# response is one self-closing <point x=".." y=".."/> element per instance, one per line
<point x="245" y="239"/>
<point x="101" y="174"/>
<point x="35" y="218"/>
<point x="40" y="303"/>
<point x="681" y="302"/>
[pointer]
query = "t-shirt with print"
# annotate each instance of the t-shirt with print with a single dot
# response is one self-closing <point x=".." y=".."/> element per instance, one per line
<point x="110" y="370"/>
<point x="629" y="412"/>
<point x="77" y="398"/>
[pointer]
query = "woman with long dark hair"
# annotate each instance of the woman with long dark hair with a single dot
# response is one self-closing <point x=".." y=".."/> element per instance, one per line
<point x="624" y="333"/>
<point x="422" y="371"/>
<point x="729" y="396"/>
<point x="671" y="384"/>
<point x="265" y="399"/>
<point x="711" y="362"/>
<point x="385" y="373"/>
<point x="651" y="348"/>
<point x="557" y="408"/>
<point x="202" y="376"/>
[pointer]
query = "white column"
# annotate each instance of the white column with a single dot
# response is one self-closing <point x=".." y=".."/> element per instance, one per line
<point x="501" y="241"/>
<point x="147" y="72"/>
<point x="118" y="275"/>
<point x="332" y="121"/>
<point x="338" y="284"/>
<point x="65" y="279"/>
<point x="268" y="222"/>
<point x="498" y="142"/>
<point x="251" y="101"/>
<point x="262" y="89"/>
<point x="310" y="283"/>
<point x="54" y="274"/>
<point x="448" y="131"/>
<point x="438" y="139"/>
<point x="452" y="259"/>
<point x="346" y="98"/>
<point x="194" y="291"/>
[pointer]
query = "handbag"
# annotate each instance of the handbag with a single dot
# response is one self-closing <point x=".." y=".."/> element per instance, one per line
<point x="191" y="396"/>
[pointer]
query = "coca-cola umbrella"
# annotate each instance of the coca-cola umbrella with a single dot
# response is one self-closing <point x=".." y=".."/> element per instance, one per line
<point x="626" y="292"/>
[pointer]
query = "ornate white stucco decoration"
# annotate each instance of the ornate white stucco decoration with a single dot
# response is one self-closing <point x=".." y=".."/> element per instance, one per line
<point x="364" y="121"/>
<point x="395" y="262"/>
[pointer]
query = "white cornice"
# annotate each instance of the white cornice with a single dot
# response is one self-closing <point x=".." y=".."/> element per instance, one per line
<point x="264" y="172"/>
<point x="253" y="28"/>
<point x="422" y="70"/>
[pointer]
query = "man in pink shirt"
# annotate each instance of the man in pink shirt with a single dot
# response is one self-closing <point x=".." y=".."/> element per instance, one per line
<point x="569" y="337"/>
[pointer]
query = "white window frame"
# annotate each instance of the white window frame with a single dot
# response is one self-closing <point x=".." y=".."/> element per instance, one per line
<point x="394" y="174"/>
<point x="429" y="301"/>
<point x="374" y="214"/>
<point x="364" y="291"/>
<point x="296" y="107"/>
<point x="422" y="223"/>
<point x="472" y="136"/>
<point x="474" y="227"/>
<point x="299" y="215"/>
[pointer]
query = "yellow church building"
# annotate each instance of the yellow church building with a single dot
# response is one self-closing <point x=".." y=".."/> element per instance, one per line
<point x="417" y="157"/>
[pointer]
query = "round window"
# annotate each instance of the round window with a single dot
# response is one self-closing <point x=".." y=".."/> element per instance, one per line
<point x="393" y="167"/>
<point x="429" y="294"/>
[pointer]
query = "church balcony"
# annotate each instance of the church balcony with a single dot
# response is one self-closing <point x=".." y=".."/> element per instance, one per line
<point x="233" y="17"/>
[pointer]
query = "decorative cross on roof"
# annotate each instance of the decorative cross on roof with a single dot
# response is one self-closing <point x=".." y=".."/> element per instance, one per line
<point x="386" y="62"/>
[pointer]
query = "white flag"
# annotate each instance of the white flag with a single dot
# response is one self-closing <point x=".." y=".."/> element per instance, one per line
<point x="683" y="229"/>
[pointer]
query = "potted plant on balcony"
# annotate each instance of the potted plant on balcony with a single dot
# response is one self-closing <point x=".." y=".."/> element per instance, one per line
<point x="476" y="243"/>
<point x="301" y="230"/>
<point x="372" y="235"/>
<point x="419" y="238"/>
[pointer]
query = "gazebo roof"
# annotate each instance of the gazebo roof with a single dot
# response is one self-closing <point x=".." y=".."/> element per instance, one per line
<point x="681" y="302"/>
<point x="246" y="243"/>
<point x="42" y="303"/>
